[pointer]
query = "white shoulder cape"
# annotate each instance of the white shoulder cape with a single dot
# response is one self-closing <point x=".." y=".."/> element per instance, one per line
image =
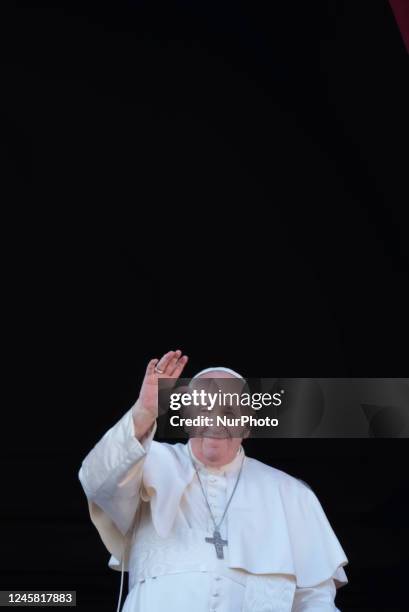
<point x="276" y="522"/>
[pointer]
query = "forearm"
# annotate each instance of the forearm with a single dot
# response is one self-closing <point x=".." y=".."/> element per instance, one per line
<point x="107" y="468"/>
<point x="143" y="421"/>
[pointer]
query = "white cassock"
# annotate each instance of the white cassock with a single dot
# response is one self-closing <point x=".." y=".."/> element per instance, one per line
<point x="146" y="502"/>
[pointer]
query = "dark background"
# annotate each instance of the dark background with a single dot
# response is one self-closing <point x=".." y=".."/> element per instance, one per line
<point x="220" y="177"/>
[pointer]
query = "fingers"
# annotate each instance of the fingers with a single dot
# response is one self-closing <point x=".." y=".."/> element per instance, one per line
<point x="171" y="364"/>
<point x="180" y="366"/>
<point x="151" y="367"/>
<point x="164" y="361"/>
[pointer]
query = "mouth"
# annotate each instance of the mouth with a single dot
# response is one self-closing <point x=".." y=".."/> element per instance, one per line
<point x="216" y="434"/>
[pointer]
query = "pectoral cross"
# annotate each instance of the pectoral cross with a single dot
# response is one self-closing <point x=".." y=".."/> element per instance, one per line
<point x="218" y="542"/>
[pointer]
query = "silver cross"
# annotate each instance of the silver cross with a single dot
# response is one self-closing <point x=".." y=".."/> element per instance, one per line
<point x="218" y="542"/>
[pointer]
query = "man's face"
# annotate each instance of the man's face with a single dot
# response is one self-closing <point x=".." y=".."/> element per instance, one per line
<point x="217" y="444"/>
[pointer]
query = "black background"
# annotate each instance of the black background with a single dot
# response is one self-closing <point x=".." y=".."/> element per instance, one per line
<point x="224" y="178"/>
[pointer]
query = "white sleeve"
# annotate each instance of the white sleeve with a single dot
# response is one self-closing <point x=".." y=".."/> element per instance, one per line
<point x="112" y="472"/>
<point x="319" y="598"/>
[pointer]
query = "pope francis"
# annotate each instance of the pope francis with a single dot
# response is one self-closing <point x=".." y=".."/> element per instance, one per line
<point x="203" y="526"/>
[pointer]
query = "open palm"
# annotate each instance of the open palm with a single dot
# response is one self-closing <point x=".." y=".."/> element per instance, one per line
<point x="170" y="366"/>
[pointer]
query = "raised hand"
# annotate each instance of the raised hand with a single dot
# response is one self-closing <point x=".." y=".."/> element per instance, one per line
<point x="145" y="411"/>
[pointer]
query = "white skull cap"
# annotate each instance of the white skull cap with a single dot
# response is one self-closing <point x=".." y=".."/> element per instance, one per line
<point x="218" y="369"/>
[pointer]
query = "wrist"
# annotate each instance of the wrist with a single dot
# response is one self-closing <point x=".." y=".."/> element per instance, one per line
<point x="143" y="420"/>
